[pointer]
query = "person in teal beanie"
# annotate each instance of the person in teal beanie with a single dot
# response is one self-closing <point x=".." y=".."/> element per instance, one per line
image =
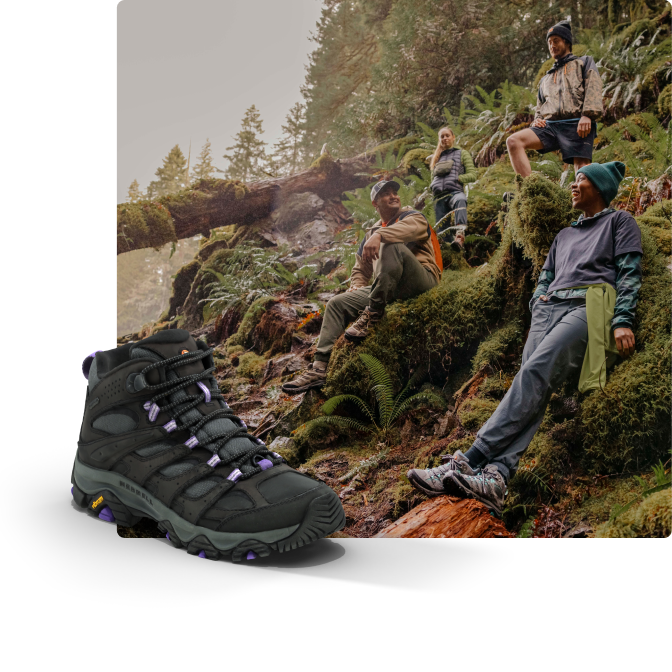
<point x="606" y="177"/>
<point x="603" y="247"/>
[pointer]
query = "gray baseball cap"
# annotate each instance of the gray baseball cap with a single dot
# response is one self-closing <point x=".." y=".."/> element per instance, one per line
<point x="379" y="186"/>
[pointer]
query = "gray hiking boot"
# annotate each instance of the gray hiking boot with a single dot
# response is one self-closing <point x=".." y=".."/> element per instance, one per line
<point x="359" y="330"/>
<point x="487" y="486"/>
<point x="314" y="377"/>
<point x="430" y="481"/>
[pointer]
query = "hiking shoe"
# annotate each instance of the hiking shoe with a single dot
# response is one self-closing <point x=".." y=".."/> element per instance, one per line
<point x="309" y="379"/>
<point x="158" y="441"/>
<point x="359" y="329"/>
<point x="430" y="481"/>
<point x="487" y="486"/>
<point x="457" y="245"/>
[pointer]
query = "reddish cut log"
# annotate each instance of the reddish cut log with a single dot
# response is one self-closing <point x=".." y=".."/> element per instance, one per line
<point x="446" y="517"/>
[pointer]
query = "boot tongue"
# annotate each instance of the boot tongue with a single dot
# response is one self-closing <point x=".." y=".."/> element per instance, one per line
<point x="167" y="344"/>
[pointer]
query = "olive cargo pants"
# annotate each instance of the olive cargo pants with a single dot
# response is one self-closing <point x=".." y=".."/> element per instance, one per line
<point x="401" y="276"/>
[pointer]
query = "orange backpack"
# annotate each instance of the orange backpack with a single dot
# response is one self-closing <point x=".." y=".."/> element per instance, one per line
<point x="430" y="232"/>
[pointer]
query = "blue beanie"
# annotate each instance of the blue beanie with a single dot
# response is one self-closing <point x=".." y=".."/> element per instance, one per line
<point x="606" y="177"/>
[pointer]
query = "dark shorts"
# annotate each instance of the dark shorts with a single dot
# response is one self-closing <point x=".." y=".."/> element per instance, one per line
<point x="562" y="135"/>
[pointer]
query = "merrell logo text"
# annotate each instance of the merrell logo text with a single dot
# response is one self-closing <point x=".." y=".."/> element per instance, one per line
<point x="130" y="488"/>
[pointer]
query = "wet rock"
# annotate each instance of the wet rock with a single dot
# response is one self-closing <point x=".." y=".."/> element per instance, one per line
<point x="285" y="446"/>
<point x="297" y="209"/>
<point x="445" y="425"/>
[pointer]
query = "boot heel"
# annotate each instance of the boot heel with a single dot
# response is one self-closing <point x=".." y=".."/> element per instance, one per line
<point x="109" y="508"/>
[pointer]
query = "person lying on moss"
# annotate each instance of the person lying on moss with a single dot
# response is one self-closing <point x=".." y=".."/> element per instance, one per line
<point x="401" y="254"/>
<point x="583" y="310"/>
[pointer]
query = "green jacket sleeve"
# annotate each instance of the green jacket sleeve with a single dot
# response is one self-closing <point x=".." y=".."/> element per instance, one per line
<point x="469" y="174"/>
<point x="628" y="282"/>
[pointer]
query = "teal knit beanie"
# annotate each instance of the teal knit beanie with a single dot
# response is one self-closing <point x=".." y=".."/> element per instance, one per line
<point x="606" y="177"/>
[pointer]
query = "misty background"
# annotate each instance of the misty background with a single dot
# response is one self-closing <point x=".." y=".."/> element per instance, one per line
<point x="188" y="71"/>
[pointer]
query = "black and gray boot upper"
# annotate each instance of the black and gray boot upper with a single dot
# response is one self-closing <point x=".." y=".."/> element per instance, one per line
<point x="158" y="440"/>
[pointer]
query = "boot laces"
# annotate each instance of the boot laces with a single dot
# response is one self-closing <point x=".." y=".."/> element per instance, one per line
<point x="190" y="401"/>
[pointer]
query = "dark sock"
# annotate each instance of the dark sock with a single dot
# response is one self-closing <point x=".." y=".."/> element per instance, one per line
<point x="476" y="458"/>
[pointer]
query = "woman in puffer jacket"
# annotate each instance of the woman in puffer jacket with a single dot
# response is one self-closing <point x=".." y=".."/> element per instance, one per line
<point x="451" y="168"/>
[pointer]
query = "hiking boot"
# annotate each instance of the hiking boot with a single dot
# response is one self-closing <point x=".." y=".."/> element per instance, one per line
<point x="310" y="378"/>
<point x="158" y="441"/>
<point x="359" y="329"/>
<point x="457" y="245"/>
<point x="487" y="486"/>
<point x="430" y="481"/>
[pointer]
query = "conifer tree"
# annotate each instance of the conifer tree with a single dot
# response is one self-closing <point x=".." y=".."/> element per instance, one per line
<point x="247" y="160"/>
<point x="288" y="152"/>
<point x="134" y="194"/>
<point x="204" y="168"/>
<point x="173" y="175"/>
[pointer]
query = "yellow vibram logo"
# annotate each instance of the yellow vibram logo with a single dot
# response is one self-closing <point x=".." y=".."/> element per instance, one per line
<point x="98" y="501"/>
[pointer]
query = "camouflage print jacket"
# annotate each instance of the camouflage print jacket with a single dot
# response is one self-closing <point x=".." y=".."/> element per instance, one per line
<point x="628" y="282"/>
<point x="570" y="89"/>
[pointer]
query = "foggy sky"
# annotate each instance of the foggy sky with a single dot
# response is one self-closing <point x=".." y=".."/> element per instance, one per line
<point x="188" y="70"/>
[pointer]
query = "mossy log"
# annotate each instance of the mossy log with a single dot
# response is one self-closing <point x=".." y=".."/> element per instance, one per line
<point x="446" y="517"/>
<point x="213" y="203"/>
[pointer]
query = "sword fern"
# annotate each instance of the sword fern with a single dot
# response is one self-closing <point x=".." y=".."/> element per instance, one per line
<point x="387" y="408"/>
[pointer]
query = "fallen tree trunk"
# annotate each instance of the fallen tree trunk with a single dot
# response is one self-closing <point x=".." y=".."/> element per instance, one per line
<point x="212" y="203"/>
<point x="446" y="517"/>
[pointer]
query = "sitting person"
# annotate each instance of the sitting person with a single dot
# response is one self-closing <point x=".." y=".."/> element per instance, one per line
<point x="569" y="100"/>
<point x="451" y="168"/>
<point x="587" y="290"/>
<point x="402" y="255"/>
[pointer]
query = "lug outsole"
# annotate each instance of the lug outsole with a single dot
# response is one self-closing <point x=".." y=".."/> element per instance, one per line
<point x="325" y="515"/>
<point x="417" y="484"/>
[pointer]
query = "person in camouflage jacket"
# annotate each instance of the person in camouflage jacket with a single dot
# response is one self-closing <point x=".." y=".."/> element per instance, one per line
<point x="569" y="102"/>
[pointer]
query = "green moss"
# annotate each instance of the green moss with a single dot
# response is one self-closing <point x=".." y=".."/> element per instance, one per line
<point x="426" y="331"/>
<point x="495" y="346"/>
<point x="143" y="224"/>
<point x="325" y="165"/>
<point x="474" y="413"/>
<point x="665" y="102"/>
<point x="538" y="213"/>
<point x="658" y="215"/>
<point x="234" y="349"/>
<point x="651" y="518"/>
<point x="250" y="321"/>
<point x="251" y="365"/>
<point x="415" y="155"/>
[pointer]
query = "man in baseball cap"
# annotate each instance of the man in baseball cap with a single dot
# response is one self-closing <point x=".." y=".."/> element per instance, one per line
<point x="399" y="258"/>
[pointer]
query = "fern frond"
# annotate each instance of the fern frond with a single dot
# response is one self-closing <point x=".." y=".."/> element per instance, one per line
<point x="340" y="421"/>
<point x="329" y="406"/>
<point x="426" y="397"/>
<point x="383" y="388"/>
